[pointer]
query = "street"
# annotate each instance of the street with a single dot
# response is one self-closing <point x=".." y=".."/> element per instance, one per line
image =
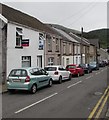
<point x="71" y="99"/>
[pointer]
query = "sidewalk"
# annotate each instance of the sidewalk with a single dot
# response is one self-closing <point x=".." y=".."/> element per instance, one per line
<point x="3" y="88"/>
<point x="107" y="114"/>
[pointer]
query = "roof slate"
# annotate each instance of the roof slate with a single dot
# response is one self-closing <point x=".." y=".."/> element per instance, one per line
<point x="67" y="36"/>
<point x="17" y="16"/>
<point x="94" y="42"/>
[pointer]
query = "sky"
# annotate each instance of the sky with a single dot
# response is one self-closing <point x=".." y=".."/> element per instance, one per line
<point x="89" y="14"/>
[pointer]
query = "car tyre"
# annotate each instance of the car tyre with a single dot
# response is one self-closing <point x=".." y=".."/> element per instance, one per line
<point x="33" y="89"/>
<point x="88" y="71"/>
<point x="78" y="74"/>
<point x="11" y="90"/>
<point x="60" y="79"/>
<point x="70" y="76"/>
<point x="50" y="83"/>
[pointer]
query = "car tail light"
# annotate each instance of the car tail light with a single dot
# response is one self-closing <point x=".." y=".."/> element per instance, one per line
<point x="56" y="73"/>
<point x="27" y="79"/>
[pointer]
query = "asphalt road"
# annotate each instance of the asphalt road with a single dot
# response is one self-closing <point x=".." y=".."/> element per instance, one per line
<point x="71" y="99"/>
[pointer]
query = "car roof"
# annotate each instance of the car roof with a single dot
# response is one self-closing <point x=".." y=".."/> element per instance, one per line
<point x="54" y="66"/>
<point x="72" y="65"/>
<point x="26" y="68"/>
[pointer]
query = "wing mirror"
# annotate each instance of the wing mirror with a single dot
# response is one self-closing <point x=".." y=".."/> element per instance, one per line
<point x="46" y="73"/>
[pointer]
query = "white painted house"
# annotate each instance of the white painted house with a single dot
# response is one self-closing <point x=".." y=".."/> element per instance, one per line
<point x="25" y="37"/>
<point x="19" y="55"/>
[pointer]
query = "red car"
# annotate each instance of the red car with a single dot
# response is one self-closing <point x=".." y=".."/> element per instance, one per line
<point x="76" y="70"/>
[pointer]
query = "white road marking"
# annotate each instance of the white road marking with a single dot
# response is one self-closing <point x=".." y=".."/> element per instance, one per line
<point x="74" y="84"/>
<point x="98" y="73"/>
<point x="89" y="77"/>
<point x="102" y="70"/>
<point x="35" y="103"/>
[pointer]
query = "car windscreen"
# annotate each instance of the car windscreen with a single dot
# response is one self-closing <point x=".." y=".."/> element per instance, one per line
<point x="82" y="65"/>
<point x="50" y="68"/>
<point x="18" y="72"/>
<point x="93" y="63"/>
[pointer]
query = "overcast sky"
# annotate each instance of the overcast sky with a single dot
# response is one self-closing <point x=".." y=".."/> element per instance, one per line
<point x="89" y="14"/>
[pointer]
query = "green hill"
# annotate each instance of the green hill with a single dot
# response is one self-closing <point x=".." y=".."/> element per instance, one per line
<point x="101" y="34"/>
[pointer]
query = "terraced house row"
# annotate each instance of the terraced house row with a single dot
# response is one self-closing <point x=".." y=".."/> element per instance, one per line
<point x="26" y="42"/>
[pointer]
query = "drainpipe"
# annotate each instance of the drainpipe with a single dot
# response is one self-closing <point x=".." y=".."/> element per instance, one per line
<point x="45" y="49"/>
<point x="4" y="54"/>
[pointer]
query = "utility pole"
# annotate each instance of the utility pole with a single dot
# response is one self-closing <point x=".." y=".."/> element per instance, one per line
<point x="81" y="45"/>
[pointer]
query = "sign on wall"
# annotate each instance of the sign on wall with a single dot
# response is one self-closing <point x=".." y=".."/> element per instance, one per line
<point x="41" y="41"/>
<point x="25" y="42"/>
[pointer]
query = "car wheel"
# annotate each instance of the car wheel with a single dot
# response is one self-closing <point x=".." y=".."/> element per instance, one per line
<point x="50" y="83"/>
<point x="11" y="90"/>
<point x="70" y="76"/>
<point x="60" y="80"/>
<point x="88" y="71"/>
<point x="78" y="74"/>
<point x="33" y="89"/>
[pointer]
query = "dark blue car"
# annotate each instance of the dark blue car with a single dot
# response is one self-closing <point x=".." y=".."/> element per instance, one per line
<point x="94" y="65"/>
<point x="86" y="67"/>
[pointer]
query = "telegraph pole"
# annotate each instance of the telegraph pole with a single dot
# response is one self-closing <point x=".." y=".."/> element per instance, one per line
<point x="81" y="45"/>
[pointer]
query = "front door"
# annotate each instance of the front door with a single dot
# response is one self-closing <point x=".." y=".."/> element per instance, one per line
<point x="39" y="61"/>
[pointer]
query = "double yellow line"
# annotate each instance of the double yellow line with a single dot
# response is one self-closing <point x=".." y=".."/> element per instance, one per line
<point x="102" y="100"/>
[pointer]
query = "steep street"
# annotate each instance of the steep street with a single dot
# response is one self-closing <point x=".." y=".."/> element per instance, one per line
<point x="71" y="99"/>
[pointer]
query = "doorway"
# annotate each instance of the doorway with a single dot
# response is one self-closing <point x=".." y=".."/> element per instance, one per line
<point x="39" y="61"/>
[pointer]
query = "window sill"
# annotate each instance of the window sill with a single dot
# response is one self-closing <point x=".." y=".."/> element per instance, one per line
<point x="40" y="49"/>
<point x="49" y="50"/>
<point x="57" y="51"/>
<point x="19" y="47"/>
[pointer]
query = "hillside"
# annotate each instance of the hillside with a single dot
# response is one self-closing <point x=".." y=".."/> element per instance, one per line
<point x="101" y="34"/>
<point x="65" y="28"/>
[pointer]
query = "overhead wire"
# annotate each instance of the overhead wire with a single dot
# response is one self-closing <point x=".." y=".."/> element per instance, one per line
<point x="76" y="13"/>
<point x="83" y="14"/>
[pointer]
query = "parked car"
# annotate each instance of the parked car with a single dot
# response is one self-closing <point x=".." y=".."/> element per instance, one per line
<point x="58" y="73"/>
<point x="28" y="79"/>
<point x="102" y="64"/>
<point x="75" y="69"/>
<point x="106" y="62"/>
<point x="94" y="65"/>
<point x="86" y="67"/>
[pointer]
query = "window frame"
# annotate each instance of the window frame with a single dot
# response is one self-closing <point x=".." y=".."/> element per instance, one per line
<point x="50" y="60"/>
<point x="49" y="44"/>
<point x="57" y="45"/>
<point x="19" y="37"/>
<point x="29" y="60"/>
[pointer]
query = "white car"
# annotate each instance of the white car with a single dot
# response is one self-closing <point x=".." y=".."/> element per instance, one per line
<point x="58" y="73"/>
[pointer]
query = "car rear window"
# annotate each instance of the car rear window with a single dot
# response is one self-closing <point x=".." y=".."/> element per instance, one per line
<point x="71" y="66"/>
<point x="18" y="72"/>
<point x="50" y="68"/>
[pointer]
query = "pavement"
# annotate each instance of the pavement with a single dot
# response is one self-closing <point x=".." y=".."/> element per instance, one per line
<point x="107" y="114"/>
<point x="3" y="89"/>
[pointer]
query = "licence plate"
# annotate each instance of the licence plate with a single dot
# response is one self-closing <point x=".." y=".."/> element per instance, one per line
<point x="16" y="80"/>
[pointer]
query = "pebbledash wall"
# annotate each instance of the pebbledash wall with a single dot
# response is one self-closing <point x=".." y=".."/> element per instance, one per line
<point x="76" y="59"/>
<point x="14" y="55"/>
